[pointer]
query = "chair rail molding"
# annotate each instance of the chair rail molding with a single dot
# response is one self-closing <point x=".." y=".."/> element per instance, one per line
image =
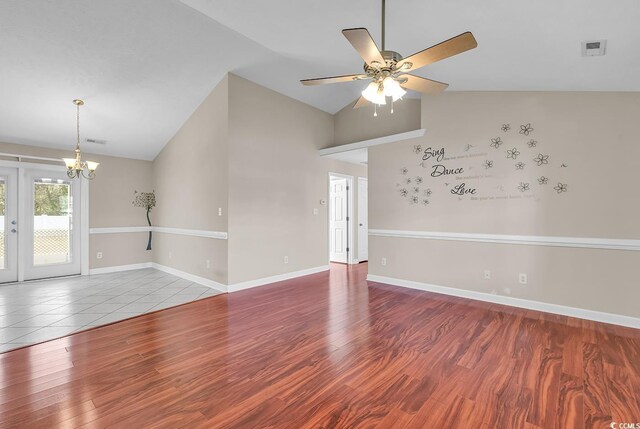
<point x="220" y="235"/>
<point x="529" y="240"/>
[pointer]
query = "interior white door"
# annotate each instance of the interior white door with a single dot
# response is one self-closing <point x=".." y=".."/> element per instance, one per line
<point x="50" y="235"/>
<point x="363" y="219"/>
<point x="9" y="225"/>
<point x="338" y="225"/>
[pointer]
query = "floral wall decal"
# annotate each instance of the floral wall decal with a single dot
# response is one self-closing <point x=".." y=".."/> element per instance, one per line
<point x="561" y="187"/>
<point x="526" y="129"/>
<point x="541" y="159"/>
<point x="146" y="200"/>
<point x="513" y="153"/>
<point x="469" y="172"/>
<point x="523" y="187"/>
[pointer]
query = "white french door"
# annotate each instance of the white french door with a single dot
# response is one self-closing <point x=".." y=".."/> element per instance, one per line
<point x="51" y="224"/>
<point x="41" y="236"/>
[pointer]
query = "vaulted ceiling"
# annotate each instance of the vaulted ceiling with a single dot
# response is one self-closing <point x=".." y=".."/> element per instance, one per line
<point x="143" y="66"/>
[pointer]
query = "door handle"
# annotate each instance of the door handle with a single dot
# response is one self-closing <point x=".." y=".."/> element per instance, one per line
<point x="14" y="230"/>
<point x="360" y="224"/>
<point x="13" y="222"/>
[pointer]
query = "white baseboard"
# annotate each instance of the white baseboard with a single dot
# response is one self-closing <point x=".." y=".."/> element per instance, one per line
<point x="280" y="277"/>
<point x="118" y="268"/>
<point x="191" y="277"/>
<point x="580" y="313"/>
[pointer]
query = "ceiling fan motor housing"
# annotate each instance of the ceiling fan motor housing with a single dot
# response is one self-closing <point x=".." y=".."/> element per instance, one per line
<point x="374" y="70"/>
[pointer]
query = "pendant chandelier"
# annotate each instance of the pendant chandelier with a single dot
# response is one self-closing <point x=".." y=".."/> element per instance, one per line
<point x="76" y="167"/>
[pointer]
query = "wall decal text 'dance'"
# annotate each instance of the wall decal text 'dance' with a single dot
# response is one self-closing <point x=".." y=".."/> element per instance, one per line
<point x="479" y="172"/>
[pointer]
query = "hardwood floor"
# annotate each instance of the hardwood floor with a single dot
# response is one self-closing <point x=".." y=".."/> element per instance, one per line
<point x="326" y="351"/>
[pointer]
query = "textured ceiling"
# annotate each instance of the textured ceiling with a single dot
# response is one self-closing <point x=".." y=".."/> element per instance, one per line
<point x="143" y="66"/>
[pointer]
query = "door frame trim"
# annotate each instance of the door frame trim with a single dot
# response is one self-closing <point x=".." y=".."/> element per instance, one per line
<point x="351" y="257"/>
<point x="366" y="234"/>
<point x="84" y="209"/>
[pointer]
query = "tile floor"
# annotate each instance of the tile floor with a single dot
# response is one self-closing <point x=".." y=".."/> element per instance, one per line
<point x="33" y="312"/>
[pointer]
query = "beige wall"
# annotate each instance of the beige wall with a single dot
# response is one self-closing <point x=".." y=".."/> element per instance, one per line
<point x="354" y="125"/>
<point x="190" y="177"/>
<point x="276" y="179"/>
<point x="593" y="134"/>
<point x="110" y="196"/>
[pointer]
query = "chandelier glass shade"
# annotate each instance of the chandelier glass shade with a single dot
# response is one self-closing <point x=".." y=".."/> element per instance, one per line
<point x="377" y="91"/>
<point x="76" y="167"/>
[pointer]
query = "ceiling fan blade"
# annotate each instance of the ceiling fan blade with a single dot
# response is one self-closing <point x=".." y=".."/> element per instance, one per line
<point x="420" y="84"/>
<point x="364" y="44"/>
<point x="454" y="46"/>
<point x="334" y="79"/>
<point x="360" y="103"/>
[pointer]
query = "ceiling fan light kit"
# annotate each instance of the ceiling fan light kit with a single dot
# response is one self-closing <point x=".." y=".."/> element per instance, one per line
<point x="388" y="70"/>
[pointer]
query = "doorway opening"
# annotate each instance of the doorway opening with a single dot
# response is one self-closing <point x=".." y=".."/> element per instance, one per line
<point x="40" y="222"/>
<point x="348" y="219"/>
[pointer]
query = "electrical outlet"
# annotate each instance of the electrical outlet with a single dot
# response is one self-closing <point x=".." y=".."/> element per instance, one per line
<point x="99" y="255"/>
<point x="315" y="212"/>
<point x="507" y="290"/>
<point x="208" y="263"/>
<point x="219" y="211"/>
<point x="286" y="259"/>
<point x="383" y="261"/>
<point x="487" y="274"/>
<point x="522" y="278"/>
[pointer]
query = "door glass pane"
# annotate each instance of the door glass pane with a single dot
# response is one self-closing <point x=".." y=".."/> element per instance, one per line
<point x="52" y="214"/>
<point x="3" y="189"/>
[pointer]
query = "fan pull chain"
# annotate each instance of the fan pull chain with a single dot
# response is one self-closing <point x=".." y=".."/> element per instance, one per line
<point x="392" y="106"/>
<point x="375" y="109"/>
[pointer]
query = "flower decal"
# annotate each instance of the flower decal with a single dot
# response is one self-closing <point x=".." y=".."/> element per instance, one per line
<point x="413" y="200"/>
<point x="425" y="202"/>
<point x="561" y="187"/>
<point x="497" y="142"/>
<point x="520" y="165"/>
<point x="488" y="164"/>
<point x="407" y="180"/>
<point x="418" y="180"/>
<point x="523" y="187"/>
<point x="513" y="153"/>
<point x="404" y="170"/>
<point x="468" y="147"/>
<point x="541" y="159"/>
<point x="427" y="192"/>
<point x="532" y="143"/>
<point x="416" y="190"/>
<point x="526" y="129"/>
<point x="505" y="127"/>
<point x="404" y="192"/>
<point x="543" y="180"/>
<point x="417" y="148"/>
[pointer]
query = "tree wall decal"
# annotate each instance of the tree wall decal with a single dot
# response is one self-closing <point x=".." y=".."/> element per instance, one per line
<point x="146" y="200"/>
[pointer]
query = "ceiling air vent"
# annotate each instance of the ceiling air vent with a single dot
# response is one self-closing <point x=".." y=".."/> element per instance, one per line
<point x="96" y="141"/>
<point x="593" y="48"/>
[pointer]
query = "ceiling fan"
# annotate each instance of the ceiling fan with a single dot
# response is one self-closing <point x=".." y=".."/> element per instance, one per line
<point x="388" y="70"/>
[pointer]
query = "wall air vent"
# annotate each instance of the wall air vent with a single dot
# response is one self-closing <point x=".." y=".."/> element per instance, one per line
<point x="593" y="48"/>
<point x="96" y="141"/>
